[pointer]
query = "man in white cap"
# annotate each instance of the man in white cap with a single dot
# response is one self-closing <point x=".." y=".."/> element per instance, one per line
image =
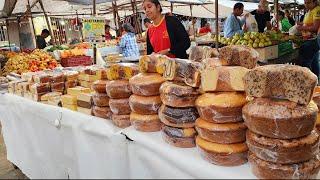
<point x="262" y="16"/>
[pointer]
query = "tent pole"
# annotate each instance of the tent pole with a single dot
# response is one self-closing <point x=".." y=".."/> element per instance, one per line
<point x="47" y="20"/>
<point x="18" y="19"/>
<point x="217" y="24"/>
<point x="295" y="10"/>
<point x="94" y="43"/>
<point x="29" y="10"/>
<point x="171" y="7"/>
<point x="276" y="9"/>
<point x="194" y="33"/>
<point x="114" y="15"/>
<point x="7" y="24"/>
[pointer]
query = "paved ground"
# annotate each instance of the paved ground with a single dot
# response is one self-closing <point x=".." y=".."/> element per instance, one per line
<point x="6" y="168"/>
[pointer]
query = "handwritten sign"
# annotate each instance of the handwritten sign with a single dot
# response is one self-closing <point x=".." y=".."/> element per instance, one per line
<point x="93" y="28"/>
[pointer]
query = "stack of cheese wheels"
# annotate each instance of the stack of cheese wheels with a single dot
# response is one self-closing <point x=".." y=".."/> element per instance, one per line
<point x="100" y="100"/>
<point x="119" y="91"/>
<point x="221" y="130"/>
<point x="281" y="118"/>
<point x="178" y="112"/>
<point x="316" y="99"/>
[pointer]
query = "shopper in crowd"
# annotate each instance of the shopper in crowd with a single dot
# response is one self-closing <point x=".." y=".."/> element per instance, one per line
<point x="290" y="18"/>
<point x="41" y="40"/>
<point x="107" y="34"/>
<point x="167" y="36"/>
<point x="205" y="29"/>
<point x="233" y="24"/>
<point x="262" y="16"/>
<point x="285" y="24"/>
<point x="311" y="21"/>
<point x="128" y="42"/>
<point x="192" y="27"/>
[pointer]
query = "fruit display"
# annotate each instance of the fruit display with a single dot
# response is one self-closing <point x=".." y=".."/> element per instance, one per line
<point x="38" y="60"/>
<point x="251" y="39"/>
<point x="59" y="47"/>
<point x="72" y="53"/>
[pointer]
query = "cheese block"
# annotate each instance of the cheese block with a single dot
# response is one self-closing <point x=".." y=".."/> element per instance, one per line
<point x="41" y="78"/>
<point x="267" y="170"/>
<point x="121" y="121"/>
<point x="146" y="84"/>
<point x="122" y="71"/>
<point x="100" y="99"/>
<point x="84" y="104"/>
<point x="87" y="77"/>
<point x="120" y="106"/>
<point x="281" y="119"/>
<point x="68" y="99"/>
<point x="145" y="123"/>
<point x="196" y="53"/>
<point x="70" y="84"/>
<point x="284" y="81"/>
<point x="46" y="97"/>
<point x="223" y="107"/>
<point x="85" y="97"/>
<point x="57" y="78"/>
<point x="213" y="62"/>
<point x="55" y="101"/>
<point x="57" y="87"/>
<point x="118" y="89"/>
<point x="84" y="110"/>
<point x="238" y="55"/>
<point x="99" y="86"/>
<point x="178" y="117"/>
<point x="284" y="151"/>
<point x="222" y="154"/>
<point x="77" y="90"/>
<point x="86" y="84"/>
<point x="227" y="133"/>
<point x="223" y="78"/>
<point x="186" y="70"/>
<point x="153" y="63"/>
<point x="72" y="107"/>
<point x="71" y="75"/>
<point x="102" y="112"/>
<point x="179" y="137"/>
<point x="178" y="94"/>
<point x="40" y="88"/>
<point x="102" y="74"/>
<point x="145" y="104"/>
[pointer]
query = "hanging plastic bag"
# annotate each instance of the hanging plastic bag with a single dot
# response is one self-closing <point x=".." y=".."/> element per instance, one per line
<point x="251" y="23"/>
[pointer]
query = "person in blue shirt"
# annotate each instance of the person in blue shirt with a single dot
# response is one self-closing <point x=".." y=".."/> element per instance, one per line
<point x="128" y="43"/>
<point x="233" y="24"/>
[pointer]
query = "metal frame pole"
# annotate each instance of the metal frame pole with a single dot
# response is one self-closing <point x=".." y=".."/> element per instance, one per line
<point x="217" y="23"/>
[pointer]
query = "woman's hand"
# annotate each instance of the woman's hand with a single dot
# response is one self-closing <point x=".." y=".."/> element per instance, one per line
<point x="164" y="52"/>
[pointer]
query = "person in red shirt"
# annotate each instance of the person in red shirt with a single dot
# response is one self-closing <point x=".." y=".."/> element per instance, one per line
<point x="167" y="35"/>
<point x="206" y="29"/>
<point x="107" y="35"/>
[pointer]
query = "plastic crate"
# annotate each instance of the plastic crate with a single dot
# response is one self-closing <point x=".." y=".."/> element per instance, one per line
<point x="76" y="61"/>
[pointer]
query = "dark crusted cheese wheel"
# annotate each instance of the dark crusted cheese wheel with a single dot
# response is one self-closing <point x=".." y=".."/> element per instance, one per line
<point x="280" y="119"/>
<point x="100" y="99"/>
<point x="179" y="137"/>
<point x="267" y="170"/>
<point x="99" y="86"/>
<point x="118" y="89"/>
<point x="102" y="112"/>
<point x="222" y="154"/>
<point x="178" y="117"/>
<point x="146" y="84"/>
<point x="146" y="123"/>
<point x="221" y="107"/>
<point x="145" y="104"/>
<point x="121" y="121"/>
<point x="283" y="151"/>
<point x="221" y="133"/>
<point x="120" y="106"/>
<point x="284" y="81"/>
<point x="178" y="94"/>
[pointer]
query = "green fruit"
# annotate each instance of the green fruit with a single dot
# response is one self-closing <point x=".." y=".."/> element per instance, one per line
<point x="244" y="43"/>
<point x="266" y="44"/>
<point x="250" y="41"/>
<point x="238" y="43"/>
<point x="257" y="41"/>
<point x="246" y="37"/>
<point x="261" y="44"/>
<point x="262" y="40"/>
<point x="236" y="37"/>
<point x="255" y="45"/>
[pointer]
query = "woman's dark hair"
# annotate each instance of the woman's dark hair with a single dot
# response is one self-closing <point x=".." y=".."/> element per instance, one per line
<point x="281" y="13"/>
<point x="155" y="2"/>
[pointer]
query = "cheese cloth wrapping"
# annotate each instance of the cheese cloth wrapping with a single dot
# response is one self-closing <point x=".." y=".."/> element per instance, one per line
<point x="100" y="99"/>
<point x="118" y="89"/>
<point x="279" y="119"/>
<point x="120" y="106"/>
<point x="146" y="84"/>
<point x="83" y="147"/>
<point x="102" y="112"/>
<point x="121" y="121"/>
<point x="284" y="151"/>
<point x="145" y="104"/>
<point x="175" y="137"/>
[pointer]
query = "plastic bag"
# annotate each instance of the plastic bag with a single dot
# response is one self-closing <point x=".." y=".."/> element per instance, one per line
<point x="251" y="23"/>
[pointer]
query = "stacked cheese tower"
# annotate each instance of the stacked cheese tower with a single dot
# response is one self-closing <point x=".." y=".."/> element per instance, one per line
<point x="221" y="130"/>
<point x="101" y="100"/>
<point x="178" y="94"/>
<point x="145" y="101"/>
<point x="281" y="118"/>
<point x="119" y="91"/>
<point x="84" y="102"/>
<point x="40" y="86"/>
<point x="90" y="75"/>
<point x="69" y="100"/>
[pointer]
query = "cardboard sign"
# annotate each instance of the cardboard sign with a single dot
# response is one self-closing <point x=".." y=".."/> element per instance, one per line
<point x="93" y="28"/>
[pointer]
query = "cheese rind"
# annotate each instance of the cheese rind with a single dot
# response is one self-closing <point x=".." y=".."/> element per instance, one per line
<point x="153" y="63"/>
<point x="77" y="90"/>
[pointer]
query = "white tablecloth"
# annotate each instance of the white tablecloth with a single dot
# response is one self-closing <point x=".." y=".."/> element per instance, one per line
<point x="90" y="147"/>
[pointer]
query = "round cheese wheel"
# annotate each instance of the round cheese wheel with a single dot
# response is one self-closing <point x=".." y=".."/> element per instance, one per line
<point x="102" y="112"/>
<point x="118" y="89"/>
<point x="224" y="107"/>
<point x="178" y="95"/>
<point x="146" y="123"/>
<point x="280" y="119"/>
<point x="99" y="86"/>
<point x="179" y="137"/>
<point x="268" y="170"/>
<point x="227" y="133"/>
<point x="222" y="154"/>
<point x="146" y="84"/>
<point x="121" y="121"/>
<point x="145" y="104"/>
<point x="100" y="99"/>
<point x="120" y="106"/>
